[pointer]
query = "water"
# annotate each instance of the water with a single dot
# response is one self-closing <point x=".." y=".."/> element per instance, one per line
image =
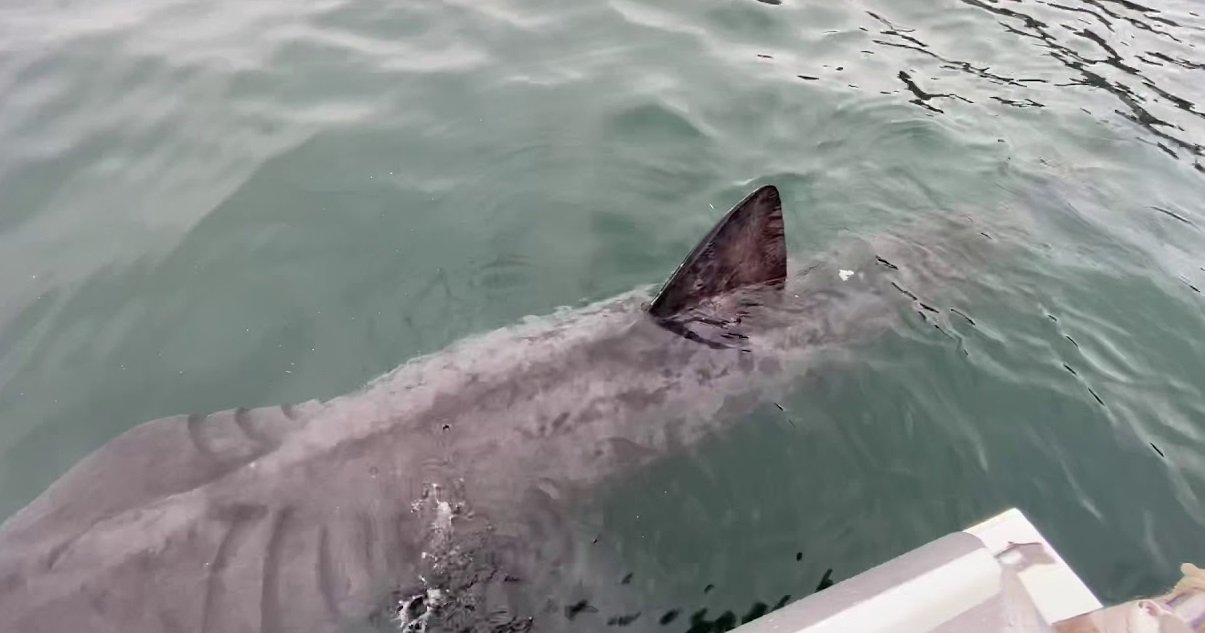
<point x="208" y="205"/>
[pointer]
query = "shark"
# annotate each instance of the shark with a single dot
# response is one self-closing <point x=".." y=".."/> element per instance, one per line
<point x="412" y="499"/>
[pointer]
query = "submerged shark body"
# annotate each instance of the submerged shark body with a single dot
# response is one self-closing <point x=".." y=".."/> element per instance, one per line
<point x="305" y="518"/>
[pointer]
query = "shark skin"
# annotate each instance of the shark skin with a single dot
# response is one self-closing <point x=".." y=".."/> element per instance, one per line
<point x="424" y="483"/>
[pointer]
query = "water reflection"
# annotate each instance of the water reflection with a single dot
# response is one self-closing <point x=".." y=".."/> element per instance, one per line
<point x="922" y="97"/>
<point x="1131" y="96"/>
<point x="1123" y="49"/>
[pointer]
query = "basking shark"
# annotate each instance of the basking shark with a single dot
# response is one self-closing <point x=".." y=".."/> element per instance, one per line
<point x="309" y="517"/>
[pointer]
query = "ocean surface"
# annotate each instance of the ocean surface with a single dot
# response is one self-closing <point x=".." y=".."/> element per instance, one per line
<point x="206" y="205"/>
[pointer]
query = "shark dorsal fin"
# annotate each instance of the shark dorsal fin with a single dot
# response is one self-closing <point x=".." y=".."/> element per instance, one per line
<point x="745" y="248"/>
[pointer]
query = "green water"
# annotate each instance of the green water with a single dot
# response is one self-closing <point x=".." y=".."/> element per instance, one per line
<point x="220" y="204"/>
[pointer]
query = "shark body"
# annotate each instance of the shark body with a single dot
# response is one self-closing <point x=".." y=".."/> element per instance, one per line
<point x="307" y="518"/>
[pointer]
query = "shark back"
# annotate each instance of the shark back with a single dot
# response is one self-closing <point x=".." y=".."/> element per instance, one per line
<point x="303" y="518"/>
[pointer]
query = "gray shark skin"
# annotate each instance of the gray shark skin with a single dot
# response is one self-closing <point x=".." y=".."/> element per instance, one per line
<point x="306" y="518"/>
